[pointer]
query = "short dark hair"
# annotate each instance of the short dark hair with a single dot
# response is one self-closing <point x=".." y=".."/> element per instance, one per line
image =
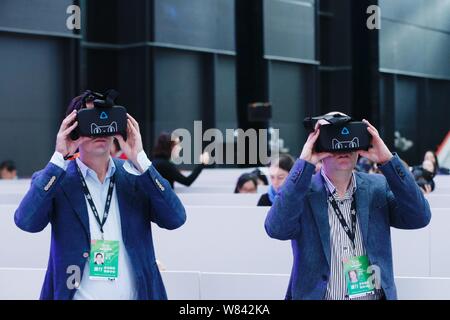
<point x="284" y="162"/>
<point x="76" y="103"/>
<point x="243" y="179"/>
<point x="9" y="165"/>
<point x="261" y="176"/>
<point x="99" y="254"/>
<point x="79" y="102"/>
<point x="164" y="145"/>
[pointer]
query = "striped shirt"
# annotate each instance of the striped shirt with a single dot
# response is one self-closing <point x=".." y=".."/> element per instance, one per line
<point x="340" y="244"/>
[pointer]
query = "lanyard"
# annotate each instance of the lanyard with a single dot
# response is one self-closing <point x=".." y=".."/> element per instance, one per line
<point x="350" y="232"/>
<point x="88" y="196"/>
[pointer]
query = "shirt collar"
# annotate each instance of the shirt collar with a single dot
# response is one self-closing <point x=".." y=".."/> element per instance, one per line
<point x="330" y="186"/>
<point x="85" y="170"/>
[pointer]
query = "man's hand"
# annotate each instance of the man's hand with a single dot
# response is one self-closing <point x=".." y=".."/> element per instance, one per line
<point x="64" y="144"/>
<point x="133" y="145"/>
<point x="379" y="153"/>
<point x="308" y="153"/>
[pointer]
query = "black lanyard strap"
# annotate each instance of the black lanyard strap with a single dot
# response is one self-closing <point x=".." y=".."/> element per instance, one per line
<point x="88" y="196"/>
<point x="350" y="232"/>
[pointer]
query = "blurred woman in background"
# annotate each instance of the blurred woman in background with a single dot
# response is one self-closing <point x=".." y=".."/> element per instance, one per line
<point x="431" y="156"/>
<point x="247" y="183"/>
<point x="165" y="149"/>
<point x="278" y="172"/>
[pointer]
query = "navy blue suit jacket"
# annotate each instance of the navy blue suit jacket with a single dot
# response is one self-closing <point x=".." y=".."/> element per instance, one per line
<point x="300" y="214"/>
<point x="56" y="197"/>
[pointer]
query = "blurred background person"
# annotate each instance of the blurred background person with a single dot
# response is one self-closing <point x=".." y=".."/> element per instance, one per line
<point x="431" y="156"/>
<point x="364" y="165"/>
<point x="8" y="170"/>
<point x="278" y="172"/>
<point x="424" y="175"/>
<point x="164" y="151"/>
<point x="261" y="177"/>
<point x="247" y="183"/>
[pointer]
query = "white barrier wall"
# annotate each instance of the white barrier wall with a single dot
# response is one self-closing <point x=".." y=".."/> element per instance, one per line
<point x="21" y="249"/>
<point x="440" y="243"/>
<point x="25" y="284"/>
<point x="212" y="189"/>
<point x="219" y="199"/>
<point x="220" y="286"/>
<point x="233" y="240"/>
<point x="223" y="239"/>
<point x="439" y="201"/>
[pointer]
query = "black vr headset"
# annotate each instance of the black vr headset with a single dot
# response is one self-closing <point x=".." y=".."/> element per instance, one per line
<point x="105" y="119"/>
<point x="342" y="134"/>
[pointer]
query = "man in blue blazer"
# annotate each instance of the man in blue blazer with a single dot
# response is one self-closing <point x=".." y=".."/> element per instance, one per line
<point x="339" y="221"/>
<point x="71" y="195"/>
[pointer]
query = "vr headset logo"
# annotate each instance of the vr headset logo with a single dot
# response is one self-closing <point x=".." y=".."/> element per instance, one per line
<point x="105" y="119"/>
<point x="342" y="134"/>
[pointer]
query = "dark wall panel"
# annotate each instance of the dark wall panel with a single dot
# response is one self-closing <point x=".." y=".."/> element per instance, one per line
<point x="436" y="116"/>
<point x="289" y="96"/>
<point x="336" y="91"/>
<point x="178" y="90"/>
<point x="42" y="15"/>
<point x="407" y="111"/>
<point x="289" y="29"/>
<point x="412" y="49"/>
<point x="433" y="14"/>
<point x="32" y="92"/>
<point x="198" y="23"/>
<point x="101" y="69"/>
<point x="225" y="97"/>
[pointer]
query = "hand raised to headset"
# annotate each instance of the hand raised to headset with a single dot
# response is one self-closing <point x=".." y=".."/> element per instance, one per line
<point x="308" y="153"/>
<point x="64" y="144"/>
<point x="379" y="153"/>
<point x="133" y="146"/>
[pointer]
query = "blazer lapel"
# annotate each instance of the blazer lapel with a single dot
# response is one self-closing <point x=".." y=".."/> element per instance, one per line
<point x="319" y="204"/>
<point x="74" y="192"/>
<point x="362" y="206"/>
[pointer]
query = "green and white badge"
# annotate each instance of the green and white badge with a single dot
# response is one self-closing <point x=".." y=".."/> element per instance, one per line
<point x="357" y="278"/>
<point x="104" y="260"/>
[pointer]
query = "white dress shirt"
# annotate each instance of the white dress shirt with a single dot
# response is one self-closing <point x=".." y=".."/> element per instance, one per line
<point x="340" y="244"/>
<point x="122" y="288"/>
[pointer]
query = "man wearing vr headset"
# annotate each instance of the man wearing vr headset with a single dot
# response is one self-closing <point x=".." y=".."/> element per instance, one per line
<point x="100" y="206"/>
<point x="339" y="220"/>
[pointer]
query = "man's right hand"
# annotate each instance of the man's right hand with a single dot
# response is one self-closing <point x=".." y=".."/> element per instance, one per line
<point x="64" y="144"/>
<point x="308" y="153"/>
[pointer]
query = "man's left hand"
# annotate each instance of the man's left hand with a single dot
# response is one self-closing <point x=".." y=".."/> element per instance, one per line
<point x="133" y="145"/>
<point x="379" y="152"/>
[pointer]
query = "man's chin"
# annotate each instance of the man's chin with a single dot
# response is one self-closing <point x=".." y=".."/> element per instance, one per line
<point x="100" y="151"/>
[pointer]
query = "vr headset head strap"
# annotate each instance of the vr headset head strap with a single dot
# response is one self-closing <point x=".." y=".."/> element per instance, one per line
<point x="310" y="122"/>
<point x="100" y="100"/>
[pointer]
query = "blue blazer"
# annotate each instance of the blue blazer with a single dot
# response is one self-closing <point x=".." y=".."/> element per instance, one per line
<point x="56" y="197"/>
<point x="300" y="214"/>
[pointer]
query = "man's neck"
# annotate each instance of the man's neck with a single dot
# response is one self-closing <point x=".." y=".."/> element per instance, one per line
<point x="340" y="179"/>
<point x="98" y="163"/>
